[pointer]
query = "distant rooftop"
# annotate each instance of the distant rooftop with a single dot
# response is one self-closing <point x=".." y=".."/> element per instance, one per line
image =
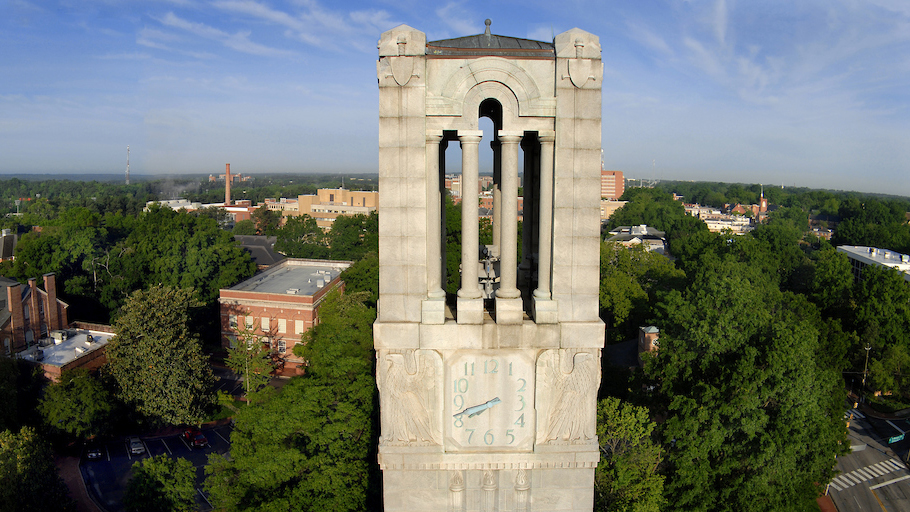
<point x="491" y="44"/>
<point x="294" y="277"/>
<point x="876" y="256"/>
<point x="66" y="348"/>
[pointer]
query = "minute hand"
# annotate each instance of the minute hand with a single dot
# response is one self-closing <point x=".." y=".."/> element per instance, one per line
<point x="477" y="409"/>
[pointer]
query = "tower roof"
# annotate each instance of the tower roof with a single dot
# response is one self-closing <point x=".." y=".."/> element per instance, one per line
<point x="490" y="44"/>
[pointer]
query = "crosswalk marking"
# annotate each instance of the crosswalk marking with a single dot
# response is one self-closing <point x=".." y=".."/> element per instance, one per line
<point x="858" y="476"/>
<point x="857" y="414"/>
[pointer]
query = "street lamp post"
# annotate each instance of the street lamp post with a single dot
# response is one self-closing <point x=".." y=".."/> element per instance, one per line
<point x="865" y="366"/>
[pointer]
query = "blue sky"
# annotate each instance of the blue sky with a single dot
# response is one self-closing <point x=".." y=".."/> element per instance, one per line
<point x="808" y="93"/>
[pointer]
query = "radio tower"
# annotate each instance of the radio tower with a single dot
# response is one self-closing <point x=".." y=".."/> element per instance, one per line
<point x="127" y="165"/>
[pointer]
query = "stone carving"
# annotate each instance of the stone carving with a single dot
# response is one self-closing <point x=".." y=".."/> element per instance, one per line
<point x="456" y="489"/>
<point x="522" y="486"/>
<point x="569" y="378"/>
<point x="409" y="392"/>
<point x="488" y="491"/>
<point x="580" y="68"/>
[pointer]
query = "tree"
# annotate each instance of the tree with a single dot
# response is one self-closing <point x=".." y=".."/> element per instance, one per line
<point x="244" y="227"/>
<point x="249" y="358"/>
<point x="627" y="478"/>
<point x="30" y="479"/>
<point x="311" y="445"/>
<point x="630" y="279"/>
<point x="267" y="221"/>
<point x="363" y="276"/>
<point x="161" y="483"/>
<point x="301" y="237"/>
<point x="157" y="360"/>
<point x="753" y="421"/>
<point x="78" y="404"/>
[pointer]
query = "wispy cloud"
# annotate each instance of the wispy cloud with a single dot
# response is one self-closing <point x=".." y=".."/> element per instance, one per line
<point x="456" y="17"/>
<point x="648" y="38"/>
<point x="239" y="41"/>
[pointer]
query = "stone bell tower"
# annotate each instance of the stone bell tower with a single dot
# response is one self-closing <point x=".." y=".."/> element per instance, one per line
<point x="488" y="392"/>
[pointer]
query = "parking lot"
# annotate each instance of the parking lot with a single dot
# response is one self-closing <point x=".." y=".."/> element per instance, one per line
<point x="106" y="478"/>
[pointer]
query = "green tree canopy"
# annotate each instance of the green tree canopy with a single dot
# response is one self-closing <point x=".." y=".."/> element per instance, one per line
<point x="309" y="446"/>
<point x="753" y="421"/>
<point x="157" y="360"/>
<point x="78" y="404"/>
<point x="627" y="478"/>
<point x="30" y="482"/>
<point x="161" y="483"/>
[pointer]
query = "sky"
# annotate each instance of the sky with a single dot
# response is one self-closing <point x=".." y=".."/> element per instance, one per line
<point x="812" y="93"/>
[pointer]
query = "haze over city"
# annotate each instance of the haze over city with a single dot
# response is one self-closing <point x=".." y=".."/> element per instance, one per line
<point x="809" y="94"/>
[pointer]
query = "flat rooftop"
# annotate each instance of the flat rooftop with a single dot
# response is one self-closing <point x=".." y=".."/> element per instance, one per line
<point x="876" y="256"/>
<point x="75" y="346"/>
<point x="294" y="277"/>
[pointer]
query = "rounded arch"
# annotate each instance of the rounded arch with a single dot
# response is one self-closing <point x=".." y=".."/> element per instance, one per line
<point x="493" y="70"/>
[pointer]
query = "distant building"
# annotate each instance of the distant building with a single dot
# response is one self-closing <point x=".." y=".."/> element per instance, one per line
<point x="261" y="249"/>
<point x="860" y="257"/>
<point x="652" y="239"/>
<point x="79" y="346"/>
<point x="28" y="313"/>
<point x="609" y="207"/>
<point x="717" y="221"/>
<point x="280" y="304"/>
<point x="330" y="203"/>
<point x="647" y="341"/>
<point x="8" y="241"/>
<point x="612" y="184"/>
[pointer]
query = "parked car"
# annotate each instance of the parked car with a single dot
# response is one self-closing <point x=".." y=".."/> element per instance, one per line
<point x="93" y="450"/>
<point x="194" y="437"/>
<point x="136" y="446"/>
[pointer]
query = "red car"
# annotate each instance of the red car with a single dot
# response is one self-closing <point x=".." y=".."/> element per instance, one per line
<point x="194" y="438"/>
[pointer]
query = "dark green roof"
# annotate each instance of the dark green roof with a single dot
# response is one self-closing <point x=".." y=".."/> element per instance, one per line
<point x="491" y="44"/>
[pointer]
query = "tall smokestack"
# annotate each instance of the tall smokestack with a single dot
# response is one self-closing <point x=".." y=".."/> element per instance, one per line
<point x="227" y="185"/>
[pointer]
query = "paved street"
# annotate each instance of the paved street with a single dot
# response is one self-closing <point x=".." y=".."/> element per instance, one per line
<point x="873" y="477"/>
<point x="106" y="478"/>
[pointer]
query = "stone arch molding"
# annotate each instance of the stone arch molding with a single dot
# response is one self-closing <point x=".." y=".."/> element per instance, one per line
<point x="490" y="75"/>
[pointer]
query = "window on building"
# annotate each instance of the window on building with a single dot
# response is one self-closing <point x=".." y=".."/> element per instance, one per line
<point x="232" y="341"/>
<point x="25" y="312"/>
<point x="265" y="324"/>
<point x="249" y="323"/>
<point x="7" y="346"/>
<point x="282" y="346"/>
<point x="282" y="325"/>
<point x="232" y="321"/>
<point x="298" y="327"/>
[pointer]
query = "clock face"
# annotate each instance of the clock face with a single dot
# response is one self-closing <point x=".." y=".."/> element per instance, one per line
<point x="489" y="401"/>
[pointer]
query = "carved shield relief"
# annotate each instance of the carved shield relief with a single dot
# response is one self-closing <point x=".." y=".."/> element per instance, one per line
<point x="580" y="71"/>
<point x="402" y="69"/>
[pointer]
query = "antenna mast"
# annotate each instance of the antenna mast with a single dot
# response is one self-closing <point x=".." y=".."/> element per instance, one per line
<point x="127" y="165"/>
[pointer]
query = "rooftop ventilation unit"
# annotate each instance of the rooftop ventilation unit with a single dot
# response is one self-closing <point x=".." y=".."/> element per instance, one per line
<point x="293" y="291"/>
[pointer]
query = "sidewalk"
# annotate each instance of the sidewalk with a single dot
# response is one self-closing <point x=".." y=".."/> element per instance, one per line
<point x="68" y="467"/>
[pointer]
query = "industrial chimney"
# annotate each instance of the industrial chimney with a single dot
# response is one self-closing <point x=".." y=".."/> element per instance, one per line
<point x="227" y="185"/>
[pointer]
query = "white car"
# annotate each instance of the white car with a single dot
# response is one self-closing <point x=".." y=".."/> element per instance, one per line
<point x="136" y="446"/>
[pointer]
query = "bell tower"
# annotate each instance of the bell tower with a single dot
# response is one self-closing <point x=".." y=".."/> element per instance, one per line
<point x="488" y="391"/>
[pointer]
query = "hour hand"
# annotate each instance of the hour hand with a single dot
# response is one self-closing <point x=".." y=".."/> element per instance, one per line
<point x="477" y="409"/>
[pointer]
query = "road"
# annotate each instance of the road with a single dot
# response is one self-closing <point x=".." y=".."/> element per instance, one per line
<point x="873" y="477"/>
<point x="106" y="479"/>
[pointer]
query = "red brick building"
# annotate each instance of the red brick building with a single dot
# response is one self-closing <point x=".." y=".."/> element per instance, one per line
<point x="28" y="313"/>
<point x="280" y="304"/>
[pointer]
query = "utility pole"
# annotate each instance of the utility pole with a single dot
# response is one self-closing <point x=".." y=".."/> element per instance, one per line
<point x="863" y="387"/>
<point x="127" y="165"/>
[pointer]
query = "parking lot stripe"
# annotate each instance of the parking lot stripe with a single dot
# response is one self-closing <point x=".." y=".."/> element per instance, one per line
<point x="203" y="496"/>
<point x="221" y="436"/>
<point x="166" y="447"/>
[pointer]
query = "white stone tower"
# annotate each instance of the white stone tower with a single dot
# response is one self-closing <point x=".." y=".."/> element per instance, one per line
<point x="488" y="395"/>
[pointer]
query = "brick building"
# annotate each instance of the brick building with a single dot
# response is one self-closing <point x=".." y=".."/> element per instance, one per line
<point x="280" y="304"/>
<point x="612" y="184"/>
<point x="28" y="313"/>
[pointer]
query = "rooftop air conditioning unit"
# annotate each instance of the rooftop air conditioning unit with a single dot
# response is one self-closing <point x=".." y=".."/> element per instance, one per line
<point x="293" y="291"/>
<point x="39" y="355"/>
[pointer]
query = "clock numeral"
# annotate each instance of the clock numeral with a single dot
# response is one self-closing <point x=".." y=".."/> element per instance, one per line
<point x="488" y="437"/>
<point x="491" y="366"/>
<point x="510" y="436"/>
<point x="470" y="432"/>
<point x="523" y="384"/>
<point x="521" y="399"/>
<point x="466" y="369"/>
<point x="520" y="421"/>
<point x="459" y="422"/>
<point x="461" y="385"/>
<point x="459" y="401"/>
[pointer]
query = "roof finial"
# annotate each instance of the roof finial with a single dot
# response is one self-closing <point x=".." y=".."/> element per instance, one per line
<point x="487" y="22"/>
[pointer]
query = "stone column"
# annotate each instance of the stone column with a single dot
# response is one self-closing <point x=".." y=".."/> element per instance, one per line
<point x="544" y="307"/>
<point x="496" y="146"/>
<point x="433" y="308"/>
<point x="508" y="298"/>
<point x="470" y="302"/>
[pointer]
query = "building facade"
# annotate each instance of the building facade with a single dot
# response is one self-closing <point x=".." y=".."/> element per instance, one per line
<point x="488" y="396"/>
<point x="860" y="257"/>
<point x="279" y="304"/>
<point x="28" y="313"/>
<point x="612" y="185"/>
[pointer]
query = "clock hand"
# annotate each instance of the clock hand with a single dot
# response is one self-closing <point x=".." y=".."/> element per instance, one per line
<point x="477" y="409"/>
